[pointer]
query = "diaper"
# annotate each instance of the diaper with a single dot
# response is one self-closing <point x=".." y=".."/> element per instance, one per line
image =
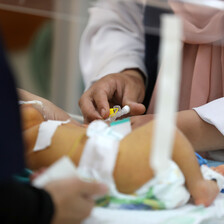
<point x="166" y="190"/>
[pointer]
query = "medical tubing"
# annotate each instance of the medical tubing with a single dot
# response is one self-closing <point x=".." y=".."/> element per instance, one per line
<point x="123" y="111"/>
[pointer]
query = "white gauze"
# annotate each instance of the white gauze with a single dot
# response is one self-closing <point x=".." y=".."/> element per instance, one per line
<point x="100" y="153"/>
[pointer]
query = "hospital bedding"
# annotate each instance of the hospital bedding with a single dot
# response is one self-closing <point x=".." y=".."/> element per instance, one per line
<point x="188" y="214"/>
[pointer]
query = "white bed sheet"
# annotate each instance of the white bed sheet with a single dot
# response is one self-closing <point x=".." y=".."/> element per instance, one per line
<point x="188" y="214"/>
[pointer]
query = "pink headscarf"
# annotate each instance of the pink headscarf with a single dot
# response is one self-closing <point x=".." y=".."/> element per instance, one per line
<point x="203" y="55"/>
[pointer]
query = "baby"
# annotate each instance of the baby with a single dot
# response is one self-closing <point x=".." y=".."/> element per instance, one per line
<point x="132" y="169"/>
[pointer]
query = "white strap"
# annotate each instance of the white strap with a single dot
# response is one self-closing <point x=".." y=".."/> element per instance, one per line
<point x="168" y="92"/>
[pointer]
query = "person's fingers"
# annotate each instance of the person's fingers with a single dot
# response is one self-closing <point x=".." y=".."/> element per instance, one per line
<point x="93" y="189"/>
<point x="136" y="108"/>
<point x="133" y="95"/>
<point x="83" y="205"/>
<point x="52" y="112"/>
<point x="94" y="103"/>
<point x="71" y="199"/>
<point x="113" y="89"/>
<point x="102" y="104"/>
<point x="88" y="109"/>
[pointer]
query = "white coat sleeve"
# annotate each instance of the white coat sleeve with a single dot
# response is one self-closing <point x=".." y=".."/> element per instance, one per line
<point x="213" y="113"/>
<point x="113" y="39"/>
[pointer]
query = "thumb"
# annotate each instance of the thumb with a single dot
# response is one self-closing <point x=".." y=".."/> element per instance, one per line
<point x="132" y="98"/>
<point x="135" y="108"/>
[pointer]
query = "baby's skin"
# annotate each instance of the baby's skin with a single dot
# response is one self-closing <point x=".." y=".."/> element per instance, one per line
<point x="132" y="167"/>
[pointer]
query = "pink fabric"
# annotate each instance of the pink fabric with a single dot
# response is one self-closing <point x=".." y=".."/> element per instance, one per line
<point x="203" y="55"/>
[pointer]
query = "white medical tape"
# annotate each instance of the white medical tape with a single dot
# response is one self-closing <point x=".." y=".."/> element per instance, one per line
<point x="99" y="157"/>
<point x="31" y="102"/>
<point x="46" y="132"/>
<point x="168" y="92"/>
<point x="37" y="103"/>
<point x="100" y="153"/>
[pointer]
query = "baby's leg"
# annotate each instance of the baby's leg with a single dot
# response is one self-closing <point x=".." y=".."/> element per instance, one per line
<point x="132" y="168"/>
<point x="202" y="191"/>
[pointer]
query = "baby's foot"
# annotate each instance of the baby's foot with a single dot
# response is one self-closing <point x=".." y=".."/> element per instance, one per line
<point x="219" y="169"/>
<point x="205" y="192"/>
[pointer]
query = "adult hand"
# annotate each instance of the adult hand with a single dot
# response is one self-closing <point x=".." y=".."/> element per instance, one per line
<point x="49" y="110"/>
<point x="125" y="88"/>
<point x="73" y="199"/>
<point x="137" y="121"/>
